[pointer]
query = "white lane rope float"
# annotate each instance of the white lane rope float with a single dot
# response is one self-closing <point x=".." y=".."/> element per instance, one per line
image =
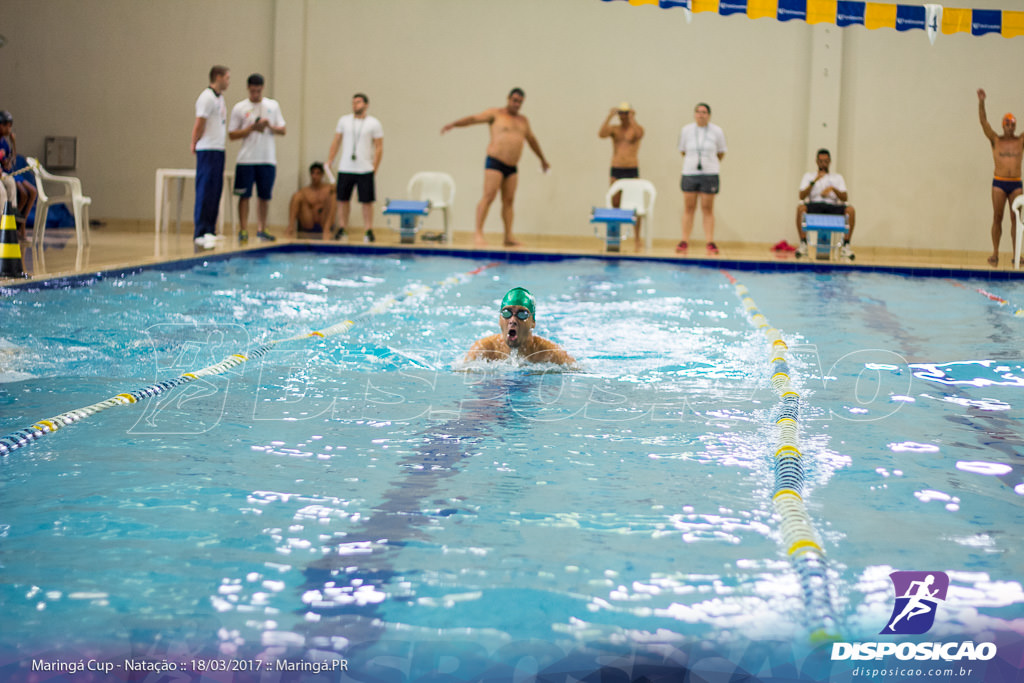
<point x="23" y="437"/>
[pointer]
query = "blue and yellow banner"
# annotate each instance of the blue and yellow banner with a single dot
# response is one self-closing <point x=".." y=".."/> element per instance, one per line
<point x="931" y="18"/>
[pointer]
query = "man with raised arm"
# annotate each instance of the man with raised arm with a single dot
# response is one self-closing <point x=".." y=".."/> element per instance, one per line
<point x="626" y="136"/>
<point x="509" y="129"/>
<point x="1007" y="152"/>
<point x="516" y="339"/>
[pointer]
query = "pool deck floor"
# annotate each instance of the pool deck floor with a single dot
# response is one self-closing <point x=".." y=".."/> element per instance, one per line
<point x="127" y="244"/>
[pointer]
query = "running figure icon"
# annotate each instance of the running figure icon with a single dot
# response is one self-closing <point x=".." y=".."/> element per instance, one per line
<point x="917" y="597"/>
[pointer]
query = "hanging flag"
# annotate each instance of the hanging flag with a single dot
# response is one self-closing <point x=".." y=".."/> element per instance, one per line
<point x="877" y="15"/>
<point x="932" y="21"/>
<point x="986" y="21"/>
<point x="956" y="20"/>
<point x="849" y="13"/>
<point x="930" y="17"/>
<point x="727" y="7"/>
<point x="792" y="9"/>
<point x="821" y="11"/>
<point x="762" y="9"/>
<point x="910" y="17"/>
<point x="1013" y="24"/>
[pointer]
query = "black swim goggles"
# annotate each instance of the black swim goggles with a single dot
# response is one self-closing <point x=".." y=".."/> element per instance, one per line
<point x="522" y="313"/>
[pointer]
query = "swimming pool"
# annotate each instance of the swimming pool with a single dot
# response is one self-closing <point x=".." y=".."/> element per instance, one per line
<point x="368" y="495"/>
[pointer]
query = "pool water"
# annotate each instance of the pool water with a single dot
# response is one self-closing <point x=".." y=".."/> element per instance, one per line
<point x="359" y="493"/>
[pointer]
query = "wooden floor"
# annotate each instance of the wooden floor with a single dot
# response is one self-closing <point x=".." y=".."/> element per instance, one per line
<point x="124" y="244"/>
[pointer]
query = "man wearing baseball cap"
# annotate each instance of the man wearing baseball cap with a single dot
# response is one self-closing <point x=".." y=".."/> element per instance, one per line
<point x="516" y="340"/>
<point x="626" y="136"/>
<point x="1007" y="153"/>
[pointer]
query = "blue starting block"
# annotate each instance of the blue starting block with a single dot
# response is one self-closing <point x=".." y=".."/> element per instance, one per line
<point x="408" y="212"/>
<point x="613" y="220"/>
<point x="827" y="226"/>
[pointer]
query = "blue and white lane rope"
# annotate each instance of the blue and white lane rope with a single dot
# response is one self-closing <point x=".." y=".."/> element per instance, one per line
<point x="799" y="538"/>
<point x="23" y="437"/>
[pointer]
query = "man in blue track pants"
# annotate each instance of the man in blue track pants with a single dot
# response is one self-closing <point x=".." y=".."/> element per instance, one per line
<point x="208" y="138"/>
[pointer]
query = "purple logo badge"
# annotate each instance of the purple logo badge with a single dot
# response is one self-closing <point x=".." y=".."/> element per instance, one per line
<point x="918" y="595"/>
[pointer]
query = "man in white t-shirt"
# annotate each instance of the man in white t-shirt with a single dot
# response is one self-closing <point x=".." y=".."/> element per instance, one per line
<point x="208" y="138"/>
<point x="255" y="121"/>
<point x="360" y="139"/>
<point x="824" y="192"/>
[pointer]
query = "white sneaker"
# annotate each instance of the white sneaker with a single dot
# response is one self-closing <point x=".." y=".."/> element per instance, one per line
<point x="207" y="241"/>
<point x="801" y="251"/>
<point x="846" y="253"/>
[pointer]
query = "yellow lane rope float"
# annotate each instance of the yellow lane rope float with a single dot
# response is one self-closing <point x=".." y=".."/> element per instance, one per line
<point x="799" y="537"/>
<point x="23" y="437"/>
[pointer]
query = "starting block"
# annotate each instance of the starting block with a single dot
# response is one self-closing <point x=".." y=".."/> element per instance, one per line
<point x="827" y="226"/>
<point x="613" y="220"/>
<point x="409" y="212"/>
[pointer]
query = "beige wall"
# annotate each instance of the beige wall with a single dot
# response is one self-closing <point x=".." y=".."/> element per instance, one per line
<point x="122" y="76"/>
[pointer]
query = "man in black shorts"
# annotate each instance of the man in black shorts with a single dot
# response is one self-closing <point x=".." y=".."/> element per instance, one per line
<point x="824" y="192"/>
<point x="360" y="139"/>
<point x="509" y="130"/>
<point x="625" y="136"/>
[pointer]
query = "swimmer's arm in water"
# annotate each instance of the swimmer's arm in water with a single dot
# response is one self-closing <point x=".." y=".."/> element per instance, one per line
<point x="483" y="117"/>
<point x="550" y="352"/>
<point x="535" y="146"/>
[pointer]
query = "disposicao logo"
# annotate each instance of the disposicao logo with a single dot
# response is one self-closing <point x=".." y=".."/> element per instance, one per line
<point x="918" y="595"/>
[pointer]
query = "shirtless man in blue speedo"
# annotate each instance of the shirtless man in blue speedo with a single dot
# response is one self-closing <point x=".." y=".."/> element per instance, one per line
<point x="509" y="129"/>
<point x="1007" y="152"/>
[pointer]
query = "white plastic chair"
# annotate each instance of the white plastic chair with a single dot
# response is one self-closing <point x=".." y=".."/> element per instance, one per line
<point x="69" y="192"/>
<point x="437" y="188"/>
<point x="638" y="195"/>
<point x="1018" y="219"/>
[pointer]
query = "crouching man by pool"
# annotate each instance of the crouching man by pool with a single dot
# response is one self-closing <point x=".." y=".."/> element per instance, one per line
<point x="518" y="318"/>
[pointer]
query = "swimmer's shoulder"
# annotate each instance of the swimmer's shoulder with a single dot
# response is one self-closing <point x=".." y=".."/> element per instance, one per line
<point x="487" y="348"/>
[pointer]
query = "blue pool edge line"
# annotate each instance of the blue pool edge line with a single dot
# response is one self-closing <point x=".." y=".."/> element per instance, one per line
<point x="519" y="256"/>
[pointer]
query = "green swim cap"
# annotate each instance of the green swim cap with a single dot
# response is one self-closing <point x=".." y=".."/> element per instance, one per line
<point x="517" y="296"/>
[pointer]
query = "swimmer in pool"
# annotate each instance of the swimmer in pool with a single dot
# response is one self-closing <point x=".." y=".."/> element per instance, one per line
<point x="516" y="338"/>
<point x="1007" y="152"/>
<point x="509" y="129"/>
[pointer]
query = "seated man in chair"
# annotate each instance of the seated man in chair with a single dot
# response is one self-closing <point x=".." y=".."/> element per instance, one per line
<point x="824" y="192"/>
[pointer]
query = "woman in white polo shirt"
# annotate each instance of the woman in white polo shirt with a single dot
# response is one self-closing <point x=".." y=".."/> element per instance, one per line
<point x="702" y="145"/>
